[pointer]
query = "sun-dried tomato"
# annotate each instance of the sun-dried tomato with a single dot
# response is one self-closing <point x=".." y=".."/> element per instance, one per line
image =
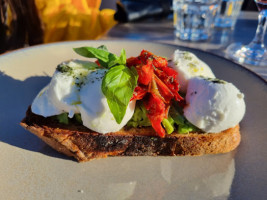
<point x="158" y="83"/>
<point x="168" y="77"/>
<point x="156" y="113"/>
<point x="145" y="73"/>
<point x="160" y="62"/>
<point x="164" y="91"/>
<point x="133" y="61"/>
<point x="139" y="92"/>
<point x="97" y="62"/>
<point x="145" y="56"/>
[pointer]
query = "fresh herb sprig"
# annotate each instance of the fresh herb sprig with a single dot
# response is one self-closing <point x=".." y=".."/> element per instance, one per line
<point x="118" y="83"/>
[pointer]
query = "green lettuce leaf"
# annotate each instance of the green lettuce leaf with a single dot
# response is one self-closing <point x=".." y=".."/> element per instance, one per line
<point x="184" y="126"/>
<point x="139" y="117"/>
<point x="168" y="125"/>
<point x="62" y="118"/>
<point x="78" y="118"/>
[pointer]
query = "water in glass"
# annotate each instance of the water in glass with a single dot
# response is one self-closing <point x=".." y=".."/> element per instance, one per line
<point x="228" y="13"/>
<point x="194" y="19"/>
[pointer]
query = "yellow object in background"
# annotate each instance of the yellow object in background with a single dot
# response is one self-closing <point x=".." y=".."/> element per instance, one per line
<point x="74" y="19"/>
<point x="230" y="9"/>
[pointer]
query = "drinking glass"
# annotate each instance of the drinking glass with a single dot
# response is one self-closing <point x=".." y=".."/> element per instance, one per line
<point x="194" y="19"/>
<point x="227" y="14"/>
<point x="255" y="53"/>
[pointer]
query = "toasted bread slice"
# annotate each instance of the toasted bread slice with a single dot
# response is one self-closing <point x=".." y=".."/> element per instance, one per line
<point x="84" y="144"/>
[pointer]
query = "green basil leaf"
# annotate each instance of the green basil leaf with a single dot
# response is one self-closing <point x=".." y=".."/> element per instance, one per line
<point x="103" y="47"/>
<point x="104" y="57"/>
<point x="122" y="58"/>
<point x="119" y="61"/>
<point x="85" y="64"/>
<point x="118" y="85"/>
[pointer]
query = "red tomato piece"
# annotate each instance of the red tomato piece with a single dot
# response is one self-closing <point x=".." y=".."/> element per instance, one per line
<point x="170" y="72"/>
<point x="145" y="73"/>
<point x="97" y="62"/>
<point x="157" y="86"/>
<point x="165" y="92"/>
<point x="160" y="62"/>
<point x="146" y="55"/>
<point x="139" y="93"/>
<point x="168" y="76"/>
<point x="133" y="61"/>
<point x="156" y="113"/>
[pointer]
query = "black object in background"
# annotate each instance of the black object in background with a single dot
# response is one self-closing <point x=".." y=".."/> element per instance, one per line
<point x="132" y="10"/>
<point x="249" y="5"/>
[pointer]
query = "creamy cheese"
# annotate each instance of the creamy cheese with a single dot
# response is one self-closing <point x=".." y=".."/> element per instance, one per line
<point x="76" y="88"/>
<point x="188" y="66"/>
<point x="94" y="108"/>
<point x="213" y="105"/>
<point x="57" y="97"/>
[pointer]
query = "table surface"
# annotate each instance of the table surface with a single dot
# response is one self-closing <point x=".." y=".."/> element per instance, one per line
<point x="162" y="31"/>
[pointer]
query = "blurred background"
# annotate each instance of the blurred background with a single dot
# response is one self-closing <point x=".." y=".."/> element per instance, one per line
<point x="25" y="23"/>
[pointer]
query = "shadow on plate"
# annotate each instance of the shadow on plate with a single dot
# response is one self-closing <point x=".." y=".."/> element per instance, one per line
<point x="15" y="98"/>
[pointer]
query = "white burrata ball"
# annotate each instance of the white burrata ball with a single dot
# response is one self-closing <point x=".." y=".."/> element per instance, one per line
<point x="188" y="66"/>
<point x="76" y="88"/>
<point x="213" y="105"/>
<point x="94" y="108"/>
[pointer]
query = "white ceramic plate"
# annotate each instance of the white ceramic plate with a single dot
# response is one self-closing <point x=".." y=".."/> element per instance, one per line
<point x="29" y="169"/>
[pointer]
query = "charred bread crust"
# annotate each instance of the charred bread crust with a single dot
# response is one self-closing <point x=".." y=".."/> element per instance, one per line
<point x="84" y="144"/>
